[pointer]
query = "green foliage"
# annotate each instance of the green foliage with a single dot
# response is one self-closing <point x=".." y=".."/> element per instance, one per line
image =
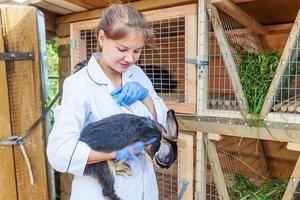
<point x="53" y="77"/>
<point x="256" y="72"/>
<point x="242" y="188"/>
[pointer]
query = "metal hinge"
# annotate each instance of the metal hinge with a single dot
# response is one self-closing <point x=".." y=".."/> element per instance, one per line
<point x="16" y="56"/>
<point x="200" y="63"/>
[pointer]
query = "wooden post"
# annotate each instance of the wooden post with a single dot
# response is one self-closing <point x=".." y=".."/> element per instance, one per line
<point x="201" y="165"/>
<point x="186" y="164"/>
<point x="7" y="172"/>
<point x="20" y="30"/>
<point x="202" y="79"/>
<point x="217" y="170"/>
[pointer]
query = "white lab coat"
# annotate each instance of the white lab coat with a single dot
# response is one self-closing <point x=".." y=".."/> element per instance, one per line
<point x="86" y="98"/>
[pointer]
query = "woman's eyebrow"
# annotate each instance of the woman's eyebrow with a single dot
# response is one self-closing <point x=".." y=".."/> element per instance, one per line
<point x="128" y="47"/>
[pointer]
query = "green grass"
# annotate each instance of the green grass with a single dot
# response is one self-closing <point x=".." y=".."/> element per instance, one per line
<point x="256" y="72"/>
<point x="243" y="189"/>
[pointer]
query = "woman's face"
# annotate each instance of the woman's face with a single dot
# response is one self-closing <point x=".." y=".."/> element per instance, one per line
<point x="119" y="55"/>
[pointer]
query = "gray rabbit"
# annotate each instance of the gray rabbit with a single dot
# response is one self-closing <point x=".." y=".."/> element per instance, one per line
<point x="122" y="130"/>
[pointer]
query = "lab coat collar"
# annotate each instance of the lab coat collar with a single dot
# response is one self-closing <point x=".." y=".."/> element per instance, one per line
<point x="96" y="73"/>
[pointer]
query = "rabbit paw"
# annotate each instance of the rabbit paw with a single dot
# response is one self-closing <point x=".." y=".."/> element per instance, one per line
<point x="123" y="169"/>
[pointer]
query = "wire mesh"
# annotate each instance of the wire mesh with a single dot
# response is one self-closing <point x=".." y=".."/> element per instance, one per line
<point x="221" y="93"/>
<point x="237" y="156"/>
<point x="296" y="194"/>
<point x="165" y="63"/>
<point x="167" y="180"/>
<point x="89" y="38"/>
<point x="211" y="188"/>
<point x="287" y="98"/>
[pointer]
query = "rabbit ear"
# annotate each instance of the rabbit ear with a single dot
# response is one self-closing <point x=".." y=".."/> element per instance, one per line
<point x="172" y="126"/>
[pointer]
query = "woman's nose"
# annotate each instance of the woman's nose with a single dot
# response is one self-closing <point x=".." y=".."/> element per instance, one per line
<point x="129" y="58"/>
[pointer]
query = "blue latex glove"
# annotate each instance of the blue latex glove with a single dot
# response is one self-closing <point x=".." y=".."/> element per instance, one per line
<point x="152" y="140"/>
<point x="130" y="152"/>
<point x="130" y="93"/>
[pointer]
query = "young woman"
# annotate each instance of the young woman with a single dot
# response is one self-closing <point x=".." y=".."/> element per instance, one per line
<point x="111" y="83"/>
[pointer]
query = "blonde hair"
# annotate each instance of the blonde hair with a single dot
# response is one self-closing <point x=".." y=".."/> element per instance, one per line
<point x="121" y="19"/>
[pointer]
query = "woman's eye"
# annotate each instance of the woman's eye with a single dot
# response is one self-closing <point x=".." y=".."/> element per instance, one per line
<point x="121" y="50"/>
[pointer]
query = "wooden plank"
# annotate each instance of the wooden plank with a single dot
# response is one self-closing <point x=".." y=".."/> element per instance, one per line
<point x="20" y="27"/>
<point x="218" y="175"/>
<point x="54" y="8"/>
<point x="186" y="163"/>
<point x="293" y="183"/>
<point x="238" y="14"/>
<point x="283" y="63"/>
<point x="63" y="30"/>
<point x="139" y="5"/>
<point x="90" y="4"/>
<point x="201" y="167"/>
<point x="228" y="59"/>
<point x="202" y="84"/>
<point x="190" y="123"/>
<point x="63" y="41"/>
<point x="7" y="173"/>
<point x="293" y="146"/>
<point x="50" y="21"/>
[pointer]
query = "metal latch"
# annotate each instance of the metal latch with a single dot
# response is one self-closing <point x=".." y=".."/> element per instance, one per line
<point x="16" y="56"/>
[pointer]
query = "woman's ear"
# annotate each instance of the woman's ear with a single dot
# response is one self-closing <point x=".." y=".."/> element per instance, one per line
<point x="101" y="37"/>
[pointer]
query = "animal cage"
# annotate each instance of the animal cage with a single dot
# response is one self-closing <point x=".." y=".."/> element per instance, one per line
<point x="220" y="88"/>
<point x="282" y="103"/>
<point x="165" y="64"/>
<point x="222" y="41"/>
<point x="237" y="167"/>
<point x="177" y="182"/>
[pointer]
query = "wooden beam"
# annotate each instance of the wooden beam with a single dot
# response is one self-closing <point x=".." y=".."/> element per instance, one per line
<point x="214" y="137"/>
<point x="293" y="183"/>
<point x="186" y="163"/>
<point x="50" y="21"/>
<point x="283" y="63"/>
<point x="88" y="4"/>
<point x="279" y="28"/>
<point x="293" y="146"/>
<point x="139" y="5"/>
<point x="218" y="175"/>
<point x="234" y="11"/>
<point x="192" y="123"/>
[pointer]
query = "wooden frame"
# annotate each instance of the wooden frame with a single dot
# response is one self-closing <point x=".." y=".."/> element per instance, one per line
<point x="185" y="163"/>
<point x="230" y="67"/>
<point x="239" y="128"/>
<point x="139" y="5"/>
<point x="217" y="169"/>
<point x="281" y="117"/>
<point x="189" y="12"/>
<point x="234" y="11"/>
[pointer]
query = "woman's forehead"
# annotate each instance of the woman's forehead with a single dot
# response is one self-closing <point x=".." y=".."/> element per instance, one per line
<point x="133" y="39"/>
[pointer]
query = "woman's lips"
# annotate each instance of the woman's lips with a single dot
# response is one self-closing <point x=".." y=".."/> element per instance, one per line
<point x="124" y="65"/>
